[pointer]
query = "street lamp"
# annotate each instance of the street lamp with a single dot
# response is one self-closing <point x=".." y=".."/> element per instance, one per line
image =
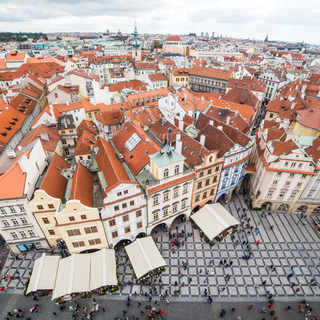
<point x="17" y="277"/>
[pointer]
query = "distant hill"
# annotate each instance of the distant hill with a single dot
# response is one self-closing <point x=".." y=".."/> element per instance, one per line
<point x="21" y="36"/>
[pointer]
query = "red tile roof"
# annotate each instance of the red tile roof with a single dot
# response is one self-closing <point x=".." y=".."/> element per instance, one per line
<point x="88" y="126"/>
<point x="283" y="147"/>
<point x="15" y="56"/>
<point x="139" y="156"/>
<point x="136" y="85"/>
<point x="252" y="84"/>
<point x="157" y="77"/>
<point x="173" y="38"/>
<point x="242" y="96"/>
<point x="84" y="143"/>
<point x="82" y="186"/>
<point x="211" y="73"/>
<point x="54" y="183"/>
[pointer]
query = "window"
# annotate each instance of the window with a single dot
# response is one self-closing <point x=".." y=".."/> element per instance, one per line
<point x="119" y="194"/>
<point x="50" y="206"/>
<point x="166" y="196"/>
<point x="176" y="169"/>
<point x="56" y="95"/>
<point x="270" y="193"/>
<point x="125" y="192"/>
<point x="293" y="164"/>
<point x="21" y="208"/>
<point x="204" y="195"/>
<point x="201" y="174"/>
<point x="185" y="189"/>
<point x="64" y="141"/>
<point x="300" y="165"/>
<point x="293" y="195"/>
<point x="286" y="164"/>
<point x="275" y="182"/>
<point x="207" y="182"/>
<point x="156" y="215"/>
<point x="45" y="220"/>
<point x="74" y="232"/>
<point x="14" y="235"/>
<point x="2" y="209"/>
<point x="199" y="185"/>
<point x="210" y="160"/>
<point x="214" y="179"/>
<point x="304" y="176"/>
<point x="15" y="222"/>
<point x="5" y="223"/>
<point x="165" y="212"/>
<point x="116" y="208"/>
<point x="78" y="244"/>
<point x="125" y="218"/>
<point x="291" y="175"/>
<point x="155" y="201"/>
<point x="197" y="198"/>
<point x="127" y="229"/>
<point x="24" y="221"/>
<point x="51" y="232"/>
<point x="316" y="184"/>
<point x="217" y="169"/>
<point x="299" y="185"/>
<point x="112" y="222"/>
<point x="310" y="194"/>
<point x="287" y="184"/>
<point x="71" y="131"/>
<point x="94" y="241"/>
<point x="279" y="173"/>
<point x="124" y="205"/>
<point x="90" y="230"/>
<point x="183" y="204"/>
<point x="71" y="218"/>
<point x="209" y="171"/>
<point x="175" y="208"/>
<point x="176" y="193"/>
<point x="139" y="225"/>
<point x="166" y="173"/>
<point x="114" y="234"/>
<point x="138" y="214"/>
<point x="282" y="193"/>
<point x="40" y="207"/>
<point x="132" y="203"/>
<point x="22" y="234"/>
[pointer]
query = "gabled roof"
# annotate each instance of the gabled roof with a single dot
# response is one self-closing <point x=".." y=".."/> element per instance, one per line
<point x="166" y="156"/>
<point x="109" y="117"/>
<point x="84" y="143"/>
<point x="211" y="73"/>
<point x="138" y="157"/>
<point x="241" y="96"/>
<point x="54" y="183"/>
<point x="108" y="163"/>
<point x="136" y="85"/>
<point x="82" y="186"/>
<point x="157" y="77"/>
<point x="283" y="147"/>
<point x="88" y="126"/>
<point x="173" y="38"/>
<point x="247" y="82"/>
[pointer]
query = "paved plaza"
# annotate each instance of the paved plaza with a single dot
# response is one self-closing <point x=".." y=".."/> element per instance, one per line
<point x="291" y="243"/>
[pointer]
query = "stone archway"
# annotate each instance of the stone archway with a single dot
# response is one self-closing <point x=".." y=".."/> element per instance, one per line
<point x="301" y="209"/>
<point x="316" y="210"/>
<point x="158" y="229"/>
<point x="141" y="235"/>
<point x="222" y="198"/>
<point x="284" y="207"/>
<point x="195" y="209"/>
<point x="121" y="244"/>
<point x="266" y="206"/>
<point x="209" y="202"/>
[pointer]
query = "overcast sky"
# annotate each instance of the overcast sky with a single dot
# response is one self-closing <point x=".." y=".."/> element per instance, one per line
<point x="288" y="20"/>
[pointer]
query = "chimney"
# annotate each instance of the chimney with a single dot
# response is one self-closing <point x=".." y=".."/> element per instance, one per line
<point x="202" y="139"/>
<point x="19" y="147"/>
<point x="202" y="98"/>
<point x="228" y="120"/>
<point x="211" y="122"/>
<point x="190" y="112"/>
<point x="303" y="90"/>
<point x="178" y="143"/>
<point x="44" y="136"/>
<point x="181" y="125"/>
<point x="67" y="103"/>
<point x="5" y="99"/>
<point x="292" y="106"/>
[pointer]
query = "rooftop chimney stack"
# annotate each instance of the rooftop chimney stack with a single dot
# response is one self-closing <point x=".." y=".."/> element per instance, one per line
<point x="228" y="120"/>
<point x="178" y="143"/>
<point x="202" y="139"/>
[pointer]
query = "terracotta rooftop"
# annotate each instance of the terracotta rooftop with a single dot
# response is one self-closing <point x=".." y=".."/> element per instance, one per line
<point x="54" y="183"/>
<point x="242" y="96"/>
<point x="173" y="38"/>
<point x="211" y="73"/>
<point x="157" y="77"/>
<point x="252" y="84"/>
<point x="88" y="126"/>
<point x="84" y="143"/>
<point x="136" y="85"/>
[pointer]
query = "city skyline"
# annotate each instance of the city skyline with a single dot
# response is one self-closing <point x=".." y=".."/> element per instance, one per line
<point x="238" y="20"/>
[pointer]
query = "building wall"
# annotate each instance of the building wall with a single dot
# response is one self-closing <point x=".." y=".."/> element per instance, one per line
<point x="76" y="216"/>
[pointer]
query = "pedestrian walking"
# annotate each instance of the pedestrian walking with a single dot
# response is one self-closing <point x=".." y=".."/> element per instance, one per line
<point x="250" y="307"/>
<point x="233" y="310"/>
<point x="270" y="304"/>
<point x="288" y="308"/>
<point x="167" y="301"/>
<point x="264" y="310"/>
<point x="231" y="262"/>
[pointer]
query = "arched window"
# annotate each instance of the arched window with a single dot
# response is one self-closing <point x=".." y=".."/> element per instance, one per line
<point x="210" y="159"/>
<point x="176" y="169"/>
<point x="166" y="173"/>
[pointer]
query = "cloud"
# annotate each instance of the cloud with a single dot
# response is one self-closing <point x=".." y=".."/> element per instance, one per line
<point x="280" y="19"/>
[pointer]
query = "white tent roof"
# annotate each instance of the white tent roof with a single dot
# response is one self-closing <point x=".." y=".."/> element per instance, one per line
<point x="103" y="269"/>
<point x="212" y="219"/>
<point x="144" y="256"/>
<point x="73" y="275"/>
<point x="44" y="273"/>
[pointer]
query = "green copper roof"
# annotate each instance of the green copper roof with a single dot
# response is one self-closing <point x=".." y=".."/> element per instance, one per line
<point x="136" y="42"/>
<point x="166" y="156"/>
<point x="303" y="140"/>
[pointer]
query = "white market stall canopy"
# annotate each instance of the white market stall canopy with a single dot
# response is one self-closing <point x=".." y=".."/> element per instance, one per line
<point x="144" y="256"/>
<point x="77" y="273"/>
<point x="44" y="273"/>
<point x="212" y="219"/>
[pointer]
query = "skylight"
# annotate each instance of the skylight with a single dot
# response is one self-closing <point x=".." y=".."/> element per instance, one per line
<point x="132" y="142"/>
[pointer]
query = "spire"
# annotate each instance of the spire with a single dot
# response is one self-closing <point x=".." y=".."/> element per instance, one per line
<point x="136" y="43"/>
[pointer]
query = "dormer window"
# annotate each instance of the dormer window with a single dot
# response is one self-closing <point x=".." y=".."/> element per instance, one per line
<point x="166" y="173"/>
<point x="176" y="169"/>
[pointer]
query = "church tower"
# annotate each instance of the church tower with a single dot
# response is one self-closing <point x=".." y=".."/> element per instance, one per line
<point x="136" y="46"/>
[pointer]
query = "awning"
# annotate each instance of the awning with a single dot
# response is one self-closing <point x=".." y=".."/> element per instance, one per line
<point x="44" y="273"/>
<point x="103" y="269"/>
<point x="212" y="219"/>
<point x="144" y="256"/>
<point x="73" y="275"/>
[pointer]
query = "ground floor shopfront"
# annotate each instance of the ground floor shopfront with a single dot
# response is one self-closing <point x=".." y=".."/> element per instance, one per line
<point x="28" y="245"/>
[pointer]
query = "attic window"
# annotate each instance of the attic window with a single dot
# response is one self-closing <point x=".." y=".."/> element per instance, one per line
<point x="147" y="151"/>
<point x="185" y="147"/>
<point x="3" y="134"/>
<point x="191" y="153"/>
<point x="131" y="156"/>
<point x="132" y="142"/>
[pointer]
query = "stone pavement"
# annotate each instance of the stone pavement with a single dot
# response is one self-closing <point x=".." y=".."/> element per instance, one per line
<point x="289" y="244"/>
